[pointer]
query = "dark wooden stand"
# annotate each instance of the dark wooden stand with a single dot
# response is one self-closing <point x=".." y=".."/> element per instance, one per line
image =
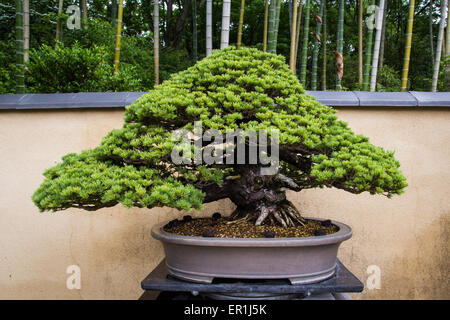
<point x="160" y="285"/>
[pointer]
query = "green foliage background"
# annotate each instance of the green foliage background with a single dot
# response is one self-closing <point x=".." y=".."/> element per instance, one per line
<point x="77" y="69"/>
<point x="176" y="39"/>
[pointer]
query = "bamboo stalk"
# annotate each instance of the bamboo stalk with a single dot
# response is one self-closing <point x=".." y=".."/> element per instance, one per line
<point x="194" y="31"/>
<point x="305" y="44"/>
<point x="26" y="30"/>
<point x="208" y="27"/>
<point x="59" y="23"/>
<point x="383" y="37"/>
<point x="430" y="26"/>
<point x="408" y="46"/>
<point x="297" y="36"/>
<point x="266" y="22"/>
<point x="84" y="8"/>
<point x="241" y="22"/>
<point x="368" y="56"/>
<point x="447" y="48"/>
<point x="447" y="35"/>
<point x="340" y="41"/>
<point x="118" y="36"/>
<point x="437" y="59"/>
<point x="360" y="41"/>
<point x="376" y="51"/>
<point x="317" y="44"/>
<point x="225" y="35"/>
<point x="293" y="33"/>
<point x="277" y="23"/>
<point x="155" y="39"/>
<point x="290" y="9"/>
<point x="324" y="41"/>
<point x="272" y="17"/>
<point x="20" y="77"/>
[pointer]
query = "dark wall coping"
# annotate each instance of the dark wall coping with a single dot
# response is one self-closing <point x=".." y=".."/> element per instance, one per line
<point x="84" y="100"/>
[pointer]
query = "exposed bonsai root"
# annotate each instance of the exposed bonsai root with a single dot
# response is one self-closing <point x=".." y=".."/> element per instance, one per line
<point x="292" y="212"/>
<point x="247" y="217"/>
<point x="279" y="219"/>
<point x="262" y="216"/>
<point x="261" y="199"/>
<point x="282" y="214"/>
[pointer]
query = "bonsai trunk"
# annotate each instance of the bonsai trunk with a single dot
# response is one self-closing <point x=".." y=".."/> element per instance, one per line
<point x="261" y="199"/>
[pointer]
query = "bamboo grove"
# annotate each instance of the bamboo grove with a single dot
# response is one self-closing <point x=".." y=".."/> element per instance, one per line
<point x="371" y="45"/>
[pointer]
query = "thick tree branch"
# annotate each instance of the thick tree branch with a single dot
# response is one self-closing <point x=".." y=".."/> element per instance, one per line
<point x="301" y="162"/>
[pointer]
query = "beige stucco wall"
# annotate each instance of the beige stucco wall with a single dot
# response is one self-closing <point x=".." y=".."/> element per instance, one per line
<point x="406" y="237"/>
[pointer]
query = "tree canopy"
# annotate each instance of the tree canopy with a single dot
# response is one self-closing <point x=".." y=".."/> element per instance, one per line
<point x="231" y="89"/>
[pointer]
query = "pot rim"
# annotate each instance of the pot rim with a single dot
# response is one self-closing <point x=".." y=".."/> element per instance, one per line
<point x="344" y="233"/>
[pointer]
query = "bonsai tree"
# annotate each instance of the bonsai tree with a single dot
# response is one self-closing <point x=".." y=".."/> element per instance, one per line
<point x="230" y="90"/>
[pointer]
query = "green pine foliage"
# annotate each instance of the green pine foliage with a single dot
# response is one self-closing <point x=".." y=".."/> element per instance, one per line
<point x="230" y="89"/>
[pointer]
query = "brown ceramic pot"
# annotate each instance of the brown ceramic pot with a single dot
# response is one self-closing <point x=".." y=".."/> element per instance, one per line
<point x="301" y="260"/>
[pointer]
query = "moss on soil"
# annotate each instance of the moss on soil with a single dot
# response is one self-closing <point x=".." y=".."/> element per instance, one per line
<point x="225" y="228"/>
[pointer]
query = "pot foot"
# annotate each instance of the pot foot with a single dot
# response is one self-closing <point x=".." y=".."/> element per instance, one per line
<point x="190" y="277"/>
<point x="313" y="278"/>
